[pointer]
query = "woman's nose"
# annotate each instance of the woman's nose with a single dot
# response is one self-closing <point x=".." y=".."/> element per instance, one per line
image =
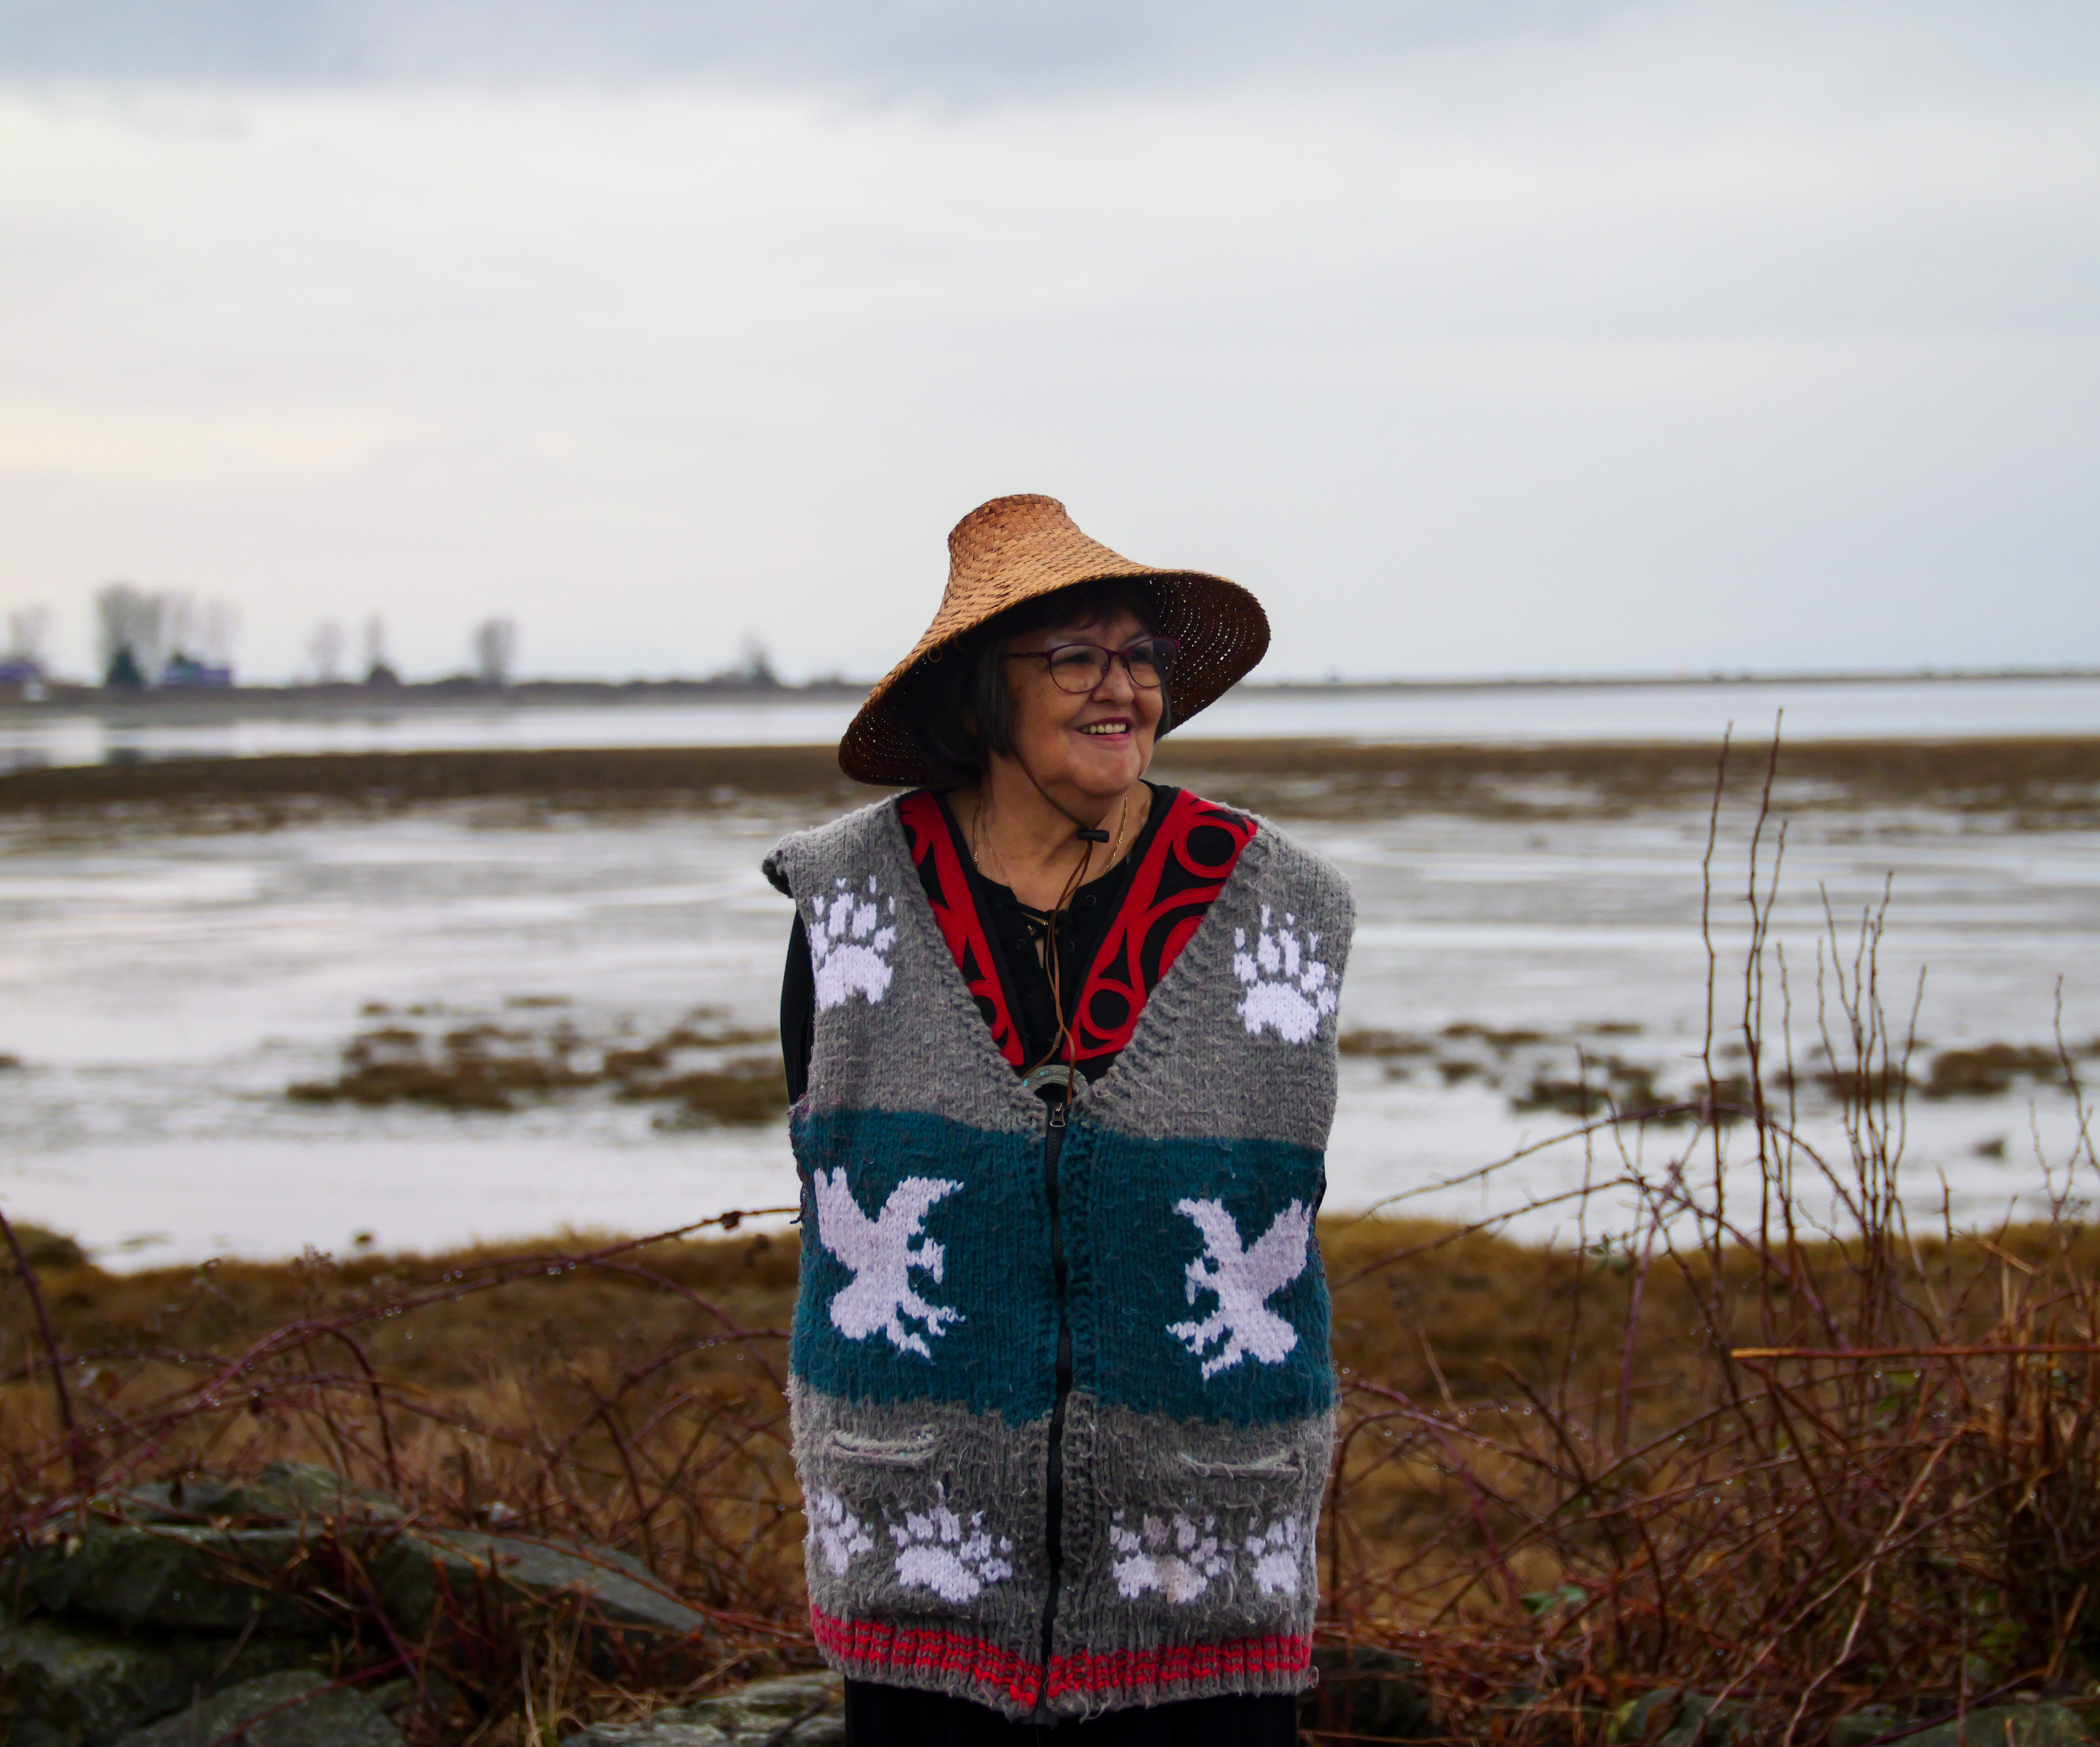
<point x="1116" y="686"/>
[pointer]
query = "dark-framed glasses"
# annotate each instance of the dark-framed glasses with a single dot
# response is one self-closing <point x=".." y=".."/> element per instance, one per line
<point x="1081" y="666"/>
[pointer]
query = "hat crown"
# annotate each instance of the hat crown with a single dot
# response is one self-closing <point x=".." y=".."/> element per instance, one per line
<point x="1026" y="535"/>
<point x="1004" y="518"/>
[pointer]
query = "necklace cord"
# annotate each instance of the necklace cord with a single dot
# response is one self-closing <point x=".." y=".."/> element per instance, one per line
<point x="1063" y="1042"/>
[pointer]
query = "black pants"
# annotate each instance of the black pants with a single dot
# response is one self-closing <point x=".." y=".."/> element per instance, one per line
<point x="880" y="1716"/>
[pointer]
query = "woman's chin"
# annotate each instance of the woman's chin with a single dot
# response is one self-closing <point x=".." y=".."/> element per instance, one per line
<point x="1106" y="769"/>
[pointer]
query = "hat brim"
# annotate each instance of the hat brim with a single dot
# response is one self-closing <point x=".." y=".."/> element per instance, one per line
<point x="1222" y="630"/>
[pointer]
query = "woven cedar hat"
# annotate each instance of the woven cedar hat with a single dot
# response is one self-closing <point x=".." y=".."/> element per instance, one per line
<point x="1015" y="548"/>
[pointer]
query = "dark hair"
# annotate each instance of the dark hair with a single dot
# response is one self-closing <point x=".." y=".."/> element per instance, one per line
<point x="958" y="706"/>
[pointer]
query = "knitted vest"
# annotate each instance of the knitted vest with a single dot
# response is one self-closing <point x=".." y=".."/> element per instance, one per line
<point x="1127" y="1313"/>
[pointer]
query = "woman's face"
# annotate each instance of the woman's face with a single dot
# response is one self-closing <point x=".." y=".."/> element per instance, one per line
<point x="1098" y="742"/>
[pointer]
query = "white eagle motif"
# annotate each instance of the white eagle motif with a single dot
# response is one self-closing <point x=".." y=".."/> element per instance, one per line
<point x="1245" y="1280"/>
<point x="880" y="1255"/>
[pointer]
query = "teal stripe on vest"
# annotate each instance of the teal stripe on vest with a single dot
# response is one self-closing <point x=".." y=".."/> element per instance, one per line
<point x="1197" y="1288"/>
<point x="925" y="1272"/>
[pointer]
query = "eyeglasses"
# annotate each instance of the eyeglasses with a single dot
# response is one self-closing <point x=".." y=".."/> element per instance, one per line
<point x="1080" y="667"/>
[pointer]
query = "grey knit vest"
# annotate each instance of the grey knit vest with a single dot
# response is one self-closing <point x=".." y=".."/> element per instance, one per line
<point x="1128" y="1317"/>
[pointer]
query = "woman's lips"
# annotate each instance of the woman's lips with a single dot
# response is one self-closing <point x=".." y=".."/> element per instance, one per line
<point x="1105" y="730"/>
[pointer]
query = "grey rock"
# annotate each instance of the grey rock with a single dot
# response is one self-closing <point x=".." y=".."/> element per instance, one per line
<point x="2006" y="1725"/>
<point x="283" y="1492"/>
<point x="415" y="1571"/>
<point x="66" y="1686"/>
<point x="1377" y="1694"/>
<point x="1869" y="1722"/>
<point x="797" y="1711"/>
<point x="426" y="1695"/>
<point x="1674" y="1717"/>
<point x="660" y="1730"/>
<point x="187" y="1576"/>
<point x="813" y="1703"/>
<point x="278" y="1710"/>
<point x="174" y="1577"/>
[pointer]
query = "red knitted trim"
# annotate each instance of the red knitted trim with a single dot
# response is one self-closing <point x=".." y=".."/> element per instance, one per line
<point x="1169" y="895"/>
<point x="956" y="912"/>
<point x="1179" y="1664"/>
<point x="927" y="1650"/>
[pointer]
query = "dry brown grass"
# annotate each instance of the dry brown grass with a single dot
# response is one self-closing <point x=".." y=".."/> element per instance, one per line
<point x="626" y="1394"/>
<point x="1805" y="1467"/>
<point x="1549" y="1460"/>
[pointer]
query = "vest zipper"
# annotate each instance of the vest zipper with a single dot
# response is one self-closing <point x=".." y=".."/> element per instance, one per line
<point x="1053" y="1489"/>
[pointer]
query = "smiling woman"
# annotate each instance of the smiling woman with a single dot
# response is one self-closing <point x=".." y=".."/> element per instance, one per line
<point x="1062" y="1044"/>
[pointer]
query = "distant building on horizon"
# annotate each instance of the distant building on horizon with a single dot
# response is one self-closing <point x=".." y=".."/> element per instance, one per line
<point x="185" y="672"/>
<point x="23" y="676"/>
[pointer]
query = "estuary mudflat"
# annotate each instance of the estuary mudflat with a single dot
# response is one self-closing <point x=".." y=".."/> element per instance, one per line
<point x="468" y="998"/>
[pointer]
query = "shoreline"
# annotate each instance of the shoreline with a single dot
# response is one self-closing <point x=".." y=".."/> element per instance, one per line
<point x="2030" y="782"/>
<point x="348" y="700"/>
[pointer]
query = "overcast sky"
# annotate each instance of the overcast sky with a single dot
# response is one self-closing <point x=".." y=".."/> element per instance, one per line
<point x="1476" y="336"/>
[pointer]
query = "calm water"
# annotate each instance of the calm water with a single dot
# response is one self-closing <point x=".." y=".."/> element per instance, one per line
<point x="163" y="992"/>
<point x="1694" y="711"/>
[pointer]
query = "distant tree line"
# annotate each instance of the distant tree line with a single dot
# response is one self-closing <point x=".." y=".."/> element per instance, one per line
<point x="168" y="639"/>
<point x="163" y="637"/>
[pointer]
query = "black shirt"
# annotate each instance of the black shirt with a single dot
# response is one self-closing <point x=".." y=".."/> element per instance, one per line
<point x="1015" y="931"/>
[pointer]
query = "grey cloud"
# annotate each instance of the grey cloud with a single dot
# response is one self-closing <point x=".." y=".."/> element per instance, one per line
<point x="948" y="51"/>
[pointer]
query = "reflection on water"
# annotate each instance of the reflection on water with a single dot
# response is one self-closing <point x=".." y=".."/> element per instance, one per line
<point x="163" y="994"/>
<point x="1914" y="708"/>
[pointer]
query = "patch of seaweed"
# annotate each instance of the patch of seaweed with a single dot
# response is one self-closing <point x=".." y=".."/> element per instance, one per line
<point x="1534" y="1067"/>
<point x="1992" y="1070"/>
<point x="485" y="1066"/>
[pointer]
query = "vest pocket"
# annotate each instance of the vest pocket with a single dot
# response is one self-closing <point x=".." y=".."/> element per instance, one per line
<point x="1279" y="1465"/>
<point x="913" y="1452"/>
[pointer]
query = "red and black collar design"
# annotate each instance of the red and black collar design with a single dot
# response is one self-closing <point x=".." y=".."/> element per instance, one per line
<point x="948" y="891"/>
<point x="1191" y="856"/>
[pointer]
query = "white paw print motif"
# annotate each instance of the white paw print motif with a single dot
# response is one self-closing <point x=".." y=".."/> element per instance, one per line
<point x="1288" y="991"/>
<point x="840" y="1535"/>
<point x="941" y="1552"/>
<point x="1172" y="1556"/>
<point x="849" y="942"/>
<point x="1274" y="1551"/>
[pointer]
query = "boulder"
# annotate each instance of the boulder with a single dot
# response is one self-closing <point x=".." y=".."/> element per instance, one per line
<point x="426" y="1698"/>
<point x="172" y="1576"/>
<point x="1377" y="1695"/>
<point x="1674" y="1717"/>
<point x="416" y="1570"/>
<point x="66" y="1686"/>
<point x="208" y="1578"/>
<point x="1869" y="1722"/>
<point x="291" y="1710"/>
<point x="2006" y="1725"/>
<point x="288" y="1491"/>
<point x="799" y="1710"/>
